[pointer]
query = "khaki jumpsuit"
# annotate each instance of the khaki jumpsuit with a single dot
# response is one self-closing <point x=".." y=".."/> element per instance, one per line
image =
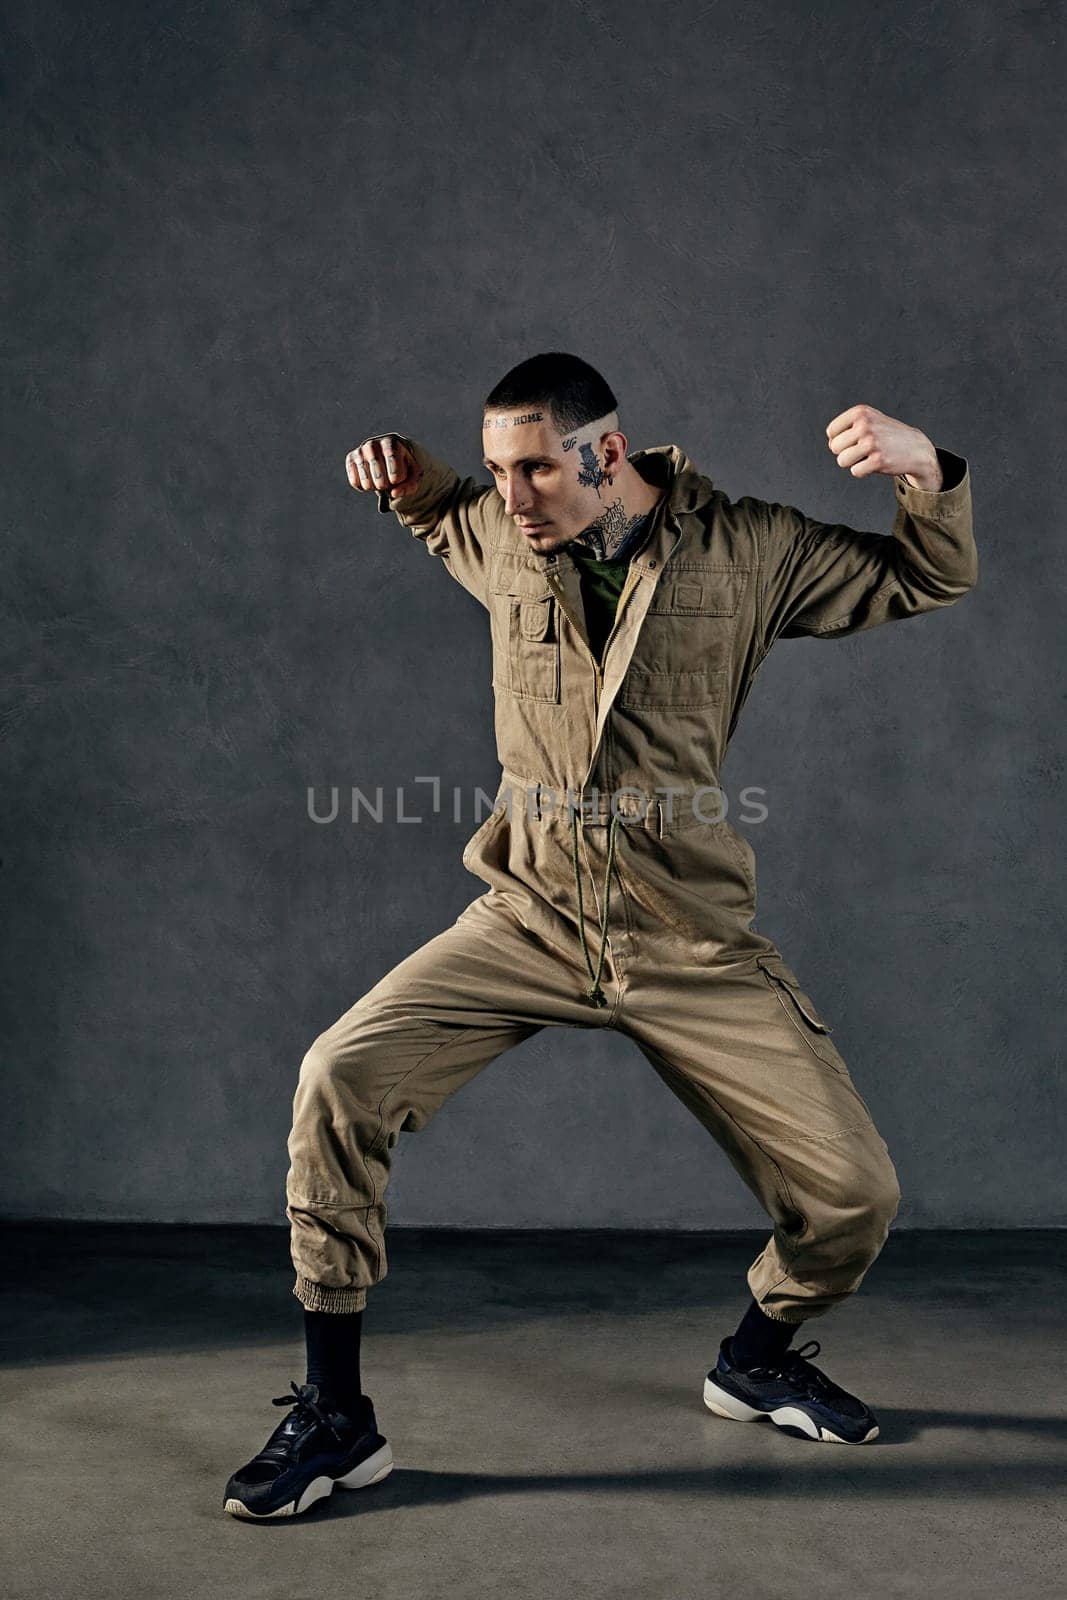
<point x="615" y="898"/>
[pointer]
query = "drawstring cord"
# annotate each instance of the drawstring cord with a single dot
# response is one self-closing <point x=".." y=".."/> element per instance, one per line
<point x="594" y="993"/>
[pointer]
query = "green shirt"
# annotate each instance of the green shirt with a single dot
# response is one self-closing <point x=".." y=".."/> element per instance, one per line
<point x="601" y="583"/>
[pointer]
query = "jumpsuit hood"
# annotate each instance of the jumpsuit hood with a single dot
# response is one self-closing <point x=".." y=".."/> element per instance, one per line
<point x="668" y="465"/>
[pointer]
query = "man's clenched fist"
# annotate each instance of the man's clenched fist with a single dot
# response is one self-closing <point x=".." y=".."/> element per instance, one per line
<point x="383" y="462"/>
<point x="865" y="440"/>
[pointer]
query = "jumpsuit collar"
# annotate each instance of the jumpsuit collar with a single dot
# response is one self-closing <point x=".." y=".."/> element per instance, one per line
<point x="667" y="467"/>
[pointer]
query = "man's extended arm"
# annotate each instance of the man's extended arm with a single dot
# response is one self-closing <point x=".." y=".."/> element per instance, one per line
<point x="454" y="518"/>
<point x="827" y="580"/>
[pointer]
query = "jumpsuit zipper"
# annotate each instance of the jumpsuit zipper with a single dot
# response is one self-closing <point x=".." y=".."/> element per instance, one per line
<point x="594" y="993"/>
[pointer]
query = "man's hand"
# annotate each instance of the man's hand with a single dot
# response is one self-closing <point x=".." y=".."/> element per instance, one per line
<point x="866" y="440"/>
<point x="383" y="462"/>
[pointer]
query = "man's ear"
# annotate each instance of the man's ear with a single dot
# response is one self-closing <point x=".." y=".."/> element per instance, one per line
<point x="614" y="448"/>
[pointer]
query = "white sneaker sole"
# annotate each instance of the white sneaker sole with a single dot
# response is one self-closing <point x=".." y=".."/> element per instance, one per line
<point x="727" y="1405"/>
<point x="373" y="1470"/>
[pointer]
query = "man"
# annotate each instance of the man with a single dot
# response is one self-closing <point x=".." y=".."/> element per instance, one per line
<point x="631" y="605"/>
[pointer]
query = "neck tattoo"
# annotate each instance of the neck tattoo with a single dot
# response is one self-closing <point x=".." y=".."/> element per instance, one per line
<point x="614" y="534"/>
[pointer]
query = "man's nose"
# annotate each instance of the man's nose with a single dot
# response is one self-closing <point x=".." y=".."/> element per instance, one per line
<point x="515" y="498"/>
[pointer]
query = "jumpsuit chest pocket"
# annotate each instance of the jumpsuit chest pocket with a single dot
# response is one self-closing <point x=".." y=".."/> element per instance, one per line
<point x="525" y="631"/>
<point x="682" y="655"/>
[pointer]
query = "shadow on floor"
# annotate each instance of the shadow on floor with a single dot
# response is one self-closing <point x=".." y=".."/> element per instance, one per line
<point x="77" y="1291"/>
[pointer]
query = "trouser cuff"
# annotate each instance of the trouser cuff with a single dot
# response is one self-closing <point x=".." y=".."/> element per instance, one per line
<point x="793" y="1321"/>
<point x="320" y="1297"/>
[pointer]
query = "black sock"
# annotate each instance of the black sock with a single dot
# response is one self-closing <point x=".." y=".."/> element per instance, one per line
<point x="759" y="1339"/>
<point x="332" y="1339"/>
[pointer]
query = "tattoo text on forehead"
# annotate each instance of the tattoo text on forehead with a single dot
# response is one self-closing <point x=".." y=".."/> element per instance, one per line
<point x="569" y="444"/>
<point x="514" y="422"/>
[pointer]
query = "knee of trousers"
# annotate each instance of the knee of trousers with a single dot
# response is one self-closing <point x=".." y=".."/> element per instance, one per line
<point x="319" y="1077"/>
<point x="366" y="1072"/>
<point x="871" y="1202"/>
<point x="319" y="1068"/>
<point x="359" y="1068"/>
<point x="336" y="1086"/>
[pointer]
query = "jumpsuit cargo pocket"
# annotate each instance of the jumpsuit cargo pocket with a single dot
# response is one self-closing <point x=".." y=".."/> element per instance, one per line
<point x="801" y="1010"/>
<point x="672" y="691"/>
<point x="533" y="648"/>
<point x="525" y="625"/>
<point x="681" y="658"/>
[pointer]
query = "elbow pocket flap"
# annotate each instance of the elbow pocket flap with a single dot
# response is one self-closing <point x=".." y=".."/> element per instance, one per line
<point x="785" y="979"/>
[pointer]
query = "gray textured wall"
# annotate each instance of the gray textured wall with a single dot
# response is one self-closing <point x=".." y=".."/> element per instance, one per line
<point x="240" y="238"/>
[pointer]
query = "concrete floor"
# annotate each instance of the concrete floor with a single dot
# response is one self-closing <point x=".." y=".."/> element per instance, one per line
<point x="542" y="1395"/>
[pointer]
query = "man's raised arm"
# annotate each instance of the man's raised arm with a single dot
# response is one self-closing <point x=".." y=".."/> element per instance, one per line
<point x="827" y="580"/>
<point x="455" y="518"/>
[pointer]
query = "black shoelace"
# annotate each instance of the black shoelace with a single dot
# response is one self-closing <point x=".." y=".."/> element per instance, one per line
<point x="305" y="1398"/>
<point x="795" y="1367"/>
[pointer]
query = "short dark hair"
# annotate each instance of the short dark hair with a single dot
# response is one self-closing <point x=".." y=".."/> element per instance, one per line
<point x="570" y="390"/>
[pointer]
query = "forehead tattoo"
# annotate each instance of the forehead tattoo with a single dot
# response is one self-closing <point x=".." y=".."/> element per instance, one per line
<point x="514" y="422"/>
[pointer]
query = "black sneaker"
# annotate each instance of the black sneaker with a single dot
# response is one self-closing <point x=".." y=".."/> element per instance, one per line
<point x="793" y="1393"/>
<point x="315" y="1447"/>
